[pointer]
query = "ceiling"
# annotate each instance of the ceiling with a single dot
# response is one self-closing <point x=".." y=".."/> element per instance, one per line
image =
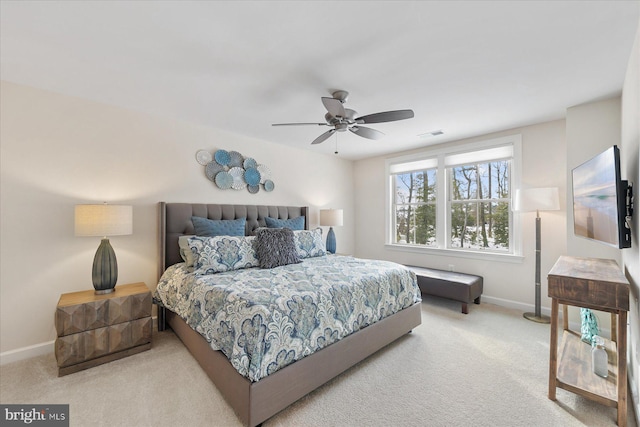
<point x="466" y="68"/>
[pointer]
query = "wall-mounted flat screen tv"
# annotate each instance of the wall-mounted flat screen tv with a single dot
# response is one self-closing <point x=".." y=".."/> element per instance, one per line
<point x="600" y="200"/>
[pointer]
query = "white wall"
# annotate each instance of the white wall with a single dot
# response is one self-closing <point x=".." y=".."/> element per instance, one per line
<point x="630" y="161"/>
<point x="591" y="129"/>
<point x="58" y="151"/>
<point x="512" y="284"/>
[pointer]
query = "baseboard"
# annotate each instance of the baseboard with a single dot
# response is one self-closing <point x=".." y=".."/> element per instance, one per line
<point x="26" y="352"/>
<point x="546" y="311"/>
<point x="514" y="304"/>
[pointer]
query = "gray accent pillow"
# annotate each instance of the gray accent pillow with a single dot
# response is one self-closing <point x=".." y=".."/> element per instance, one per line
<point x="276" y="247"/>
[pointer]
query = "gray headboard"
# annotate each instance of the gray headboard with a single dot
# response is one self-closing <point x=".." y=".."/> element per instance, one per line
<point x="175" y="220"/>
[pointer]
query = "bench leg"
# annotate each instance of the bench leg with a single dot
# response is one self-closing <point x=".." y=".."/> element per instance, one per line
<point x="465" y="308"/>
<point x="477" y="300"/>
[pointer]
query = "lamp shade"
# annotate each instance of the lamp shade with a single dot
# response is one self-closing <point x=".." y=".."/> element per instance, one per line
<point x="103" y="220"/>
<point x="331" y="217"/>
<point x="537" y="199"/>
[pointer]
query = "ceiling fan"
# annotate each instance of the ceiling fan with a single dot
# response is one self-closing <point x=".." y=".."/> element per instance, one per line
<point x="341" y="118"/>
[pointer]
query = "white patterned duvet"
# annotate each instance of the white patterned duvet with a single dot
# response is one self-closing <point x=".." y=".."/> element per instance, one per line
<point x="265" y="319"/>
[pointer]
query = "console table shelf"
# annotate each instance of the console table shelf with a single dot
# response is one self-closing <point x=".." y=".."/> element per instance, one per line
<point x="576" y="376"/>
<point x="600" y="285"/>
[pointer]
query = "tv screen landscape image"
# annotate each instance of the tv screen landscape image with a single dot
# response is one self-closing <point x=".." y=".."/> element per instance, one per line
<point x="599" y="200"/>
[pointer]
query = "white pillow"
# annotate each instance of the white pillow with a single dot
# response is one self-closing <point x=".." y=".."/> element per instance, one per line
<point x="222" y="253"/>
<point x="309" y="243"/>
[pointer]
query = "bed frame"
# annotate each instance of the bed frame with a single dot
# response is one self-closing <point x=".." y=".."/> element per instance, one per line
<point x="255" y="402"/>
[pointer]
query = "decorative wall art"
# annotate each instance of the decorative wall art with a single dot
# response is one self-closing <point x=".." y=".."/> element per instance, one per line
<point x="230" y="169"/>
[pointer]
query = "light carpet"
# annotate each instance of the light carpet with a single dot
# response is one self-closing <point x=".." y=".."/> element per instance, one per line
<point x="487" y="368"/>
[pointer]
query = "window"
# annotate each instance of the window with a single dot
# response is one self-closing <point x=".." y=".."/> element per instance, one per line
<point x="455" y="200"/>
<point x="415" y="207"/>
<point x="480" y="207"/>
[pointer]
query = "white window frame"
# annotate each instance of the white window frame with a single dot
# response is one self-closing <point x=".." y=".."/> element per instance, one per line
<point x="440" y="153"/>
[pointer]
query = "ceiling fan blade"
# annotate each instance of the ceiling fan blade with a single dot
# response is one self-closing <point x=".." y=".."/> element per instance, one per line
<point x="387" y="116"/>
<point x="323" y="137"/>
<point x="334" y="107"/>
<point x="366" y="132"/>
<point x="299" y="124"/>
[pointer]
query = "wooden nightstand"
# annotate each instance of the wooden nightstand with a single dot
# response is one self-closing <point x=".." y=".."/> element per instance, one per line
<point x="95" y="329"/>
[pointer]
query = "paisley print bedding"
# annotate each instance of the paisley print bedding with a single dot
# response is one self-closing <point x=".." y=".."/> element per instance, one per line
<point x="265" y="319"/>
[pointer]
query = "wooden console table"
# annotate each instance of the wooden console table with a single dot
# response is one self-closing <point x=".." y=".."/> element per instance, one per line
<point x="597" y="284"/>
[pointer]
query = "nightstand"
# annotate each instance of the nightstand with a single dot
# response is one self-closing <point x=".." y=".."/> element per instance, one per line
<point x="95" y="329"/>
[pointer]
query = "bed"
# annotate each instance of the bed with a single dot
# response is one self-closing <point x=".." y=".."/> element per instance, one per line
<point x="258" y="392"/>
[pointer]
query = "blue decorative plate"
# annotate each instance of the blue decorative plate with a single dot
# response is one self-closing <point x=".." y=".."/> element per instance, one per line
<point x="269" y="185"/>
<point x="250" y="163"/>
<point x="224" y="180"/>
<point x="222" y="157"/>
<point x="235" y="159"/>
<point x="253" y="189"/>
<point x="252" y="176"/>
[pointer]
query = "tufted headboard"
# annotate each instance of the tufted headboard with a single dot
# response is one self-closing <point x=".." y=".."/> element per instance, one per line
<point x="175" y="220"/>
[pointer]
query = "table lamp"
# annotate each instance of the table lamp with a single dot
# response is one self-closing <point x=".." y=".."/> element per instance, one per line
<point x="537" y="199"/>
<point x="104" y="220"/>
<point x="331" y="218"/>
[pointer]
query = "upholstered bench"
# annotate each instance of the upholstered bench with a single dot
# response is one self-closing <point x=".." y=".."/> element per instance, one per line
<point x="465" y="288"/>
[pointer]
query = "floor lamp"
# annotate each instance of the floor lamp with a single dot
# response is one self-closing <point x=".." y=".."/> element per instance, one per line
<point x="537" y="199"/>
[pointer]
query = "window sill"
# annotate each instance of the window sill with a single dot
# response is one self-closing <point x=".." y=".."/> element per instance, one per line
<point x="457" y="253"/>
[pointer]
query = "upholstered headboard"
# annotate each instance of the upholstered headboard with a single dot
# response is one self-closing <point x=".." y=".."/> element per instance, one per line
<point x="175" y="220"/>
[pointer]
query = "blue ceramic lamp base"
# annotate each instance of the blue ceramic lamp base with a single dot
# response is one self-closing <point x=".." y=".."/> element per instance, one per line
<point x="331" y="241"/>
<point x="105" y="268"/>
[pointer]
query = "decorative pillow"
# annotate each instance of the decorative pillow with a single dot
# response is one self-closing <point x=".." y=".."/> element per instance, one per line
<point x="222" y="253"/>
<point x="255" y="231"/>
<point x="293" y="223"/>
<point x="218" y="227"/>
<point x="276" y="247"/>
<point x="309" y="243"/>
<point x="185" y="251"/>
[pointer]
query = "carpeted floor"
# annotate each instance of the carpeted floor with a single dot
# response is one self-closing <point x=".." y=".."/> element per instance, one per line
<point x="487" y="368"/>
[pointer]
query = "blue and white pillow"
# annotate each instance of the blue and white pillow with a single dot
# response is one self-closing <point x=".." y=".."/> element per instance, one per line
<point x="309" y="243"/>
<point x="223" y="253"/>
<point x="218" y="227"/>
<point x="293" y="223"/>
<point x="185" y="252"/>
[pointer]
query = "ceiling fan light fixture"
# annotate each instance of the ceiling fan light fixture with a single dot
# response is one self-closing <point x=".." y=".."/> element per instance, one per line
<point x="431" y="134"/>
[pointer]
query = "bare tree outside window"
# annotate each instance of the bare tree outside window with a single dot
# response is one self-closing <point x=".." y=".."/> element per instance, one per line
<point x="480" y="198"/>
<point x="415" y="207"/>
